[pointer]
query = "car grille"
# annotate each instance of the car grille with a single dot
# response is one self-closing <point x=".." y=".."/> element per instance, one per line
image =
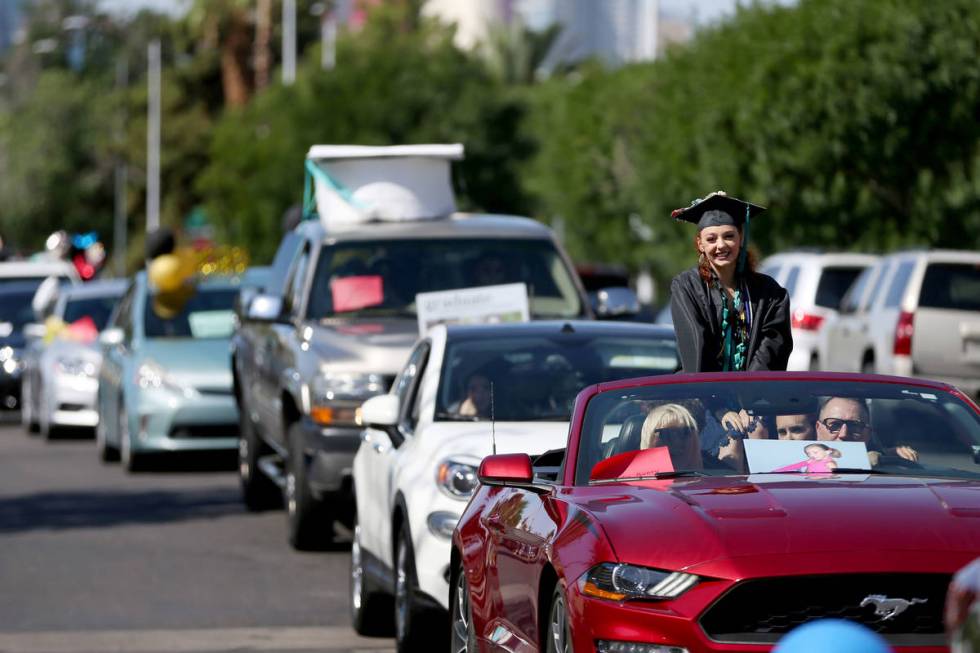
<point x="760" y="611"/>
<point x="190" y="431"/>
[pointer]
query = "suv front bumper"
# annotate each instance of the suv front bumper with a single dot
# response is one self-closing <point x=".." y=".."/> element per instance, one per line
<point x="330" y="451"/>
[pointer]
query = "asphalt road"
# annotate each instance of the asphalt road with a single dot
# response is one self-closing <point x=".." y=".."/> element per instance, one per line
<point x="94" y="560"/>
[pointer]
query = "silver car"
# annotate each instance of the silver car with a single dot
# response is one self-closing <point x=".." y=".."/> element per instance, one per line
<point x="60" y="377"/>
<point x="916" y="313"/>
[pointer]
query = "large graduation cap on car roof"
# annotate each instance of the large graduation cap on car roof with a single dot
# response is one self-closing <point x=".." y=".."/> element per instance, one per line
<point x="352" y="184"/>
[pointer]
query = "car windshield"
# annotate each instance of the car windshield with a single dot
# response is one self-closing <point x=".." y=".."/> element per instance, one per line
<point x="820" y="428"/>
<point x="538" y="377"/>
<point x="206" y="314"/>
<point x="15" y="310"/>
<point x="380" y="278"/>
<point x="98" y="309"/>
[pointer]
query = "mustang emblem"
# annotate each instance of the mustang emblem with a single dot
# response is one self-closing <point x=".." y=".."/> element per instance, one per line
<point x="889" y="608"/>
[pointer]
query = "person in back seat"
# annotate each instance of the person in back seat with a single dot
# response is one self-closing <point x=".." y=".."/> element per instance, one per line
<point x="673" y="426"/>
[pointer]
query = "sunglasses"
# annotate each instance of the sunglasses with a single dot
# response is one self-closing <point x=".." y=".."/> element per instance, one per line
<point x="834" y="425"/>
<point x="674" y="434"/>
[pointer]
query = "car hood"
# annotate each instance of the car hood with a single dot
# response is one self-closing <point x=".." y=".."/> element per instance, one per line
<point x="378" y="346"/>
<point x="472" y="439"/>
<point x="707" y="519"/>
<point x="203" y="363"/>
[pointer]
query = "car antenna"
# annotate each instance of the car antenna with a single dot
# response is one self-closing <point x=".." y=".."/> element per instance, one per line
<point x="493" y="433"/>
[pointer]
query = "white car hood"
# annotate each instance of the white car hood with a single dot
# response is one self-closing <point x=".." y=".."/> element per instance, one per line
<point x="472" y="439"/>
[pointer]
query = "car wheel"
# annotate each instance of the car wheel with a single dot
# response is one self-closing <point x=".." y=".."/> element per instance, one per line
<point x="107" y="453"/>
<point x="258" y="490"/>
<point x="370" y="613"/>
<point x="131" y="461"/>
<point x="463" y="633"/>
<point x="407" y="613"/>
<point x="48" y="430"/>
<point x="28" y="416"/>
<point x="814" y="363"/>
<point x="559" y="632"/>
<point x="868" y="367"/>
<point x="310" y="526"/>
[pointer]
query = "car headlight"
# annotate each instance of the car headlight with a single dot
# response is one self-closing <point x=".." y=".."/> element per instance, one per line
<point x="456" y="478"/>
<point x="336" y="396"/>
<point x="151" y="375"/>
<point x="618" y="582"/>
<point x="75" y="367"/>
<point x="8" y="360"/>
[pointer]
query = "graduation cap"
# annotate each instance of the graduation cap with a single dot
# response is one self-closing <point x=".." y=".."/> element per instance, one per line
<point x="716" y="210"/>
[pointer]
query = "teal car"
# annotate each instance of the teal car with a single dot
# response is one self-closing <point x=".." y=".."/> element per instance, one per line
<point x="165" y="383"/>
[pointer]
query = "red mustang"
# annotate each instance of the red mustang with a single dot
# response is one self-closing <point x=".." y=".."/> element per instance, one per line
<point x="717" y="512"/>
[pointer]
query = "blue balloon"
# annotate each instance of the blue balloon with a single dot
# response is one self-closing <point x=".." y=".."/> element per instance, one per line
<point x="832" y="636"/>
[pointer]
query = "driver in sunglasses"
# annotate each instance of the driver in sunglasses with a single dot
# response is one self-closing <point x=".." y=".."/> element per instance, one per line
<point x="847" y="420"/>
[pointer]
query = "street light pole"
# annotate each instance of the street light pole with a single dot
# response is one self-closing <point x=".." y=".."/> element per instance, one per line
<point x="153" y="137"/>
<point x="288" y="42"/>
<point x="121" y="173"/>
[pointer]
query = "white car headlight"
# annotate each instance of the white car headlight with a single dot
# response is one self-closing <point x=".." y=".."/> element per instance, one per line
<point x="73" y="366"/>
<point x="456" y="478"/>
<point x="151" y="375"/>
<point x="618" y="582"/>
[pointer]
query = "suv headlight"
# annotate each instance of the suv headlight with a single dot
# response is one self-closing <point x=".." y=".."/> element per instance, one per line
<point x="456" y="478"/>
<point x="336" y="396"/>
<point x="75" y="367"/>
<point x="151" y="375"/>
<point x="618" y="582"/>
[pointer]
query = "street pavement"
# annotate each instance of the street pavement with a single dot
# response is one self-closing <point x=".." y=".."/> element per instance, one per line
<point x="95" y="560"/>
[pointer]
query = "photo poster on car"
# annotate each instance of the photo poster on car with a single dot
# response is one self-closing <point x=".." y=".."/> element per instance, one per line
<point x="804" y="456"/>
<point x="483" y="305"/>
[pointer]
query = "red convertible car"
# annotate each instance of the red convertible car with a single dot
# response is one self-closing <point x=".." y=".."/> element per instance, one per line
<point x="717" y="512"/>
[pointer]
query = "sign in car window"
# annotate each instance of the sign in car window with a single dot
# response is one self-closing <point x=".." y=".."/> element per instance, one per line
<point x="804" y="456"/>
<point x="211" y="324"/>
<point x="485" y="304"/>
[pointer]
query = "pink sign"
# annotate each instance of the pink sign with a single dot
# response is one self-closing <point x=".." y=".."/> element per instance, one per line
<point x="352" y="293"/>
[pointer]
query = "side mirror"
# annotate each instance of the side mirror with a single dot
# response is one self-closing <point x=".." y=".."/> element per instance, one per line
<point x="34" y="331"/>
<point x="507" y="468"/>
<point x="612" y="303"/>
<point x="380" y="412"/>
<point x="265" y="308"/>
<point x="112" y="337"/>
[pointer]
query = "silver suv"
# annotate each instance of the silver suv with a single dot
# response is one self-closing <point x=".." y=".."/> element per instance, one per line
<point x="915" y="313"/>
<point x="816" y="282"/>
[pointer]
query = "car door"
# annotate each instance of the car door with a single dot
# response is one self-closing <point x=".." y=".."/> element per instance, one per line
<point x="839" y="352"/>
<point x="113" y="364"/>
<point x="374" y="474"/>
<point x="274" y="349"/>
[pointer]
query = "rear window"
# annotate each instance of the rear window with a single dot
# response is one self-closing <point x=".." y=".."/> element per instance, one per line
<point x="952" y="286"/>
<point x="791" y="278"/>
<point x="98" y="309"/>
<point x="897" y="288"/>
<point x="851" y="300"/>
<point x="834" y="282"/>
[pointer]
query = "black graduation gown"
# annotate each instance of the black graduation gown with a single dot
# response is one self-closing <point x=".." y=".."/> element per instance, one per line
<point x="697" y="322"/>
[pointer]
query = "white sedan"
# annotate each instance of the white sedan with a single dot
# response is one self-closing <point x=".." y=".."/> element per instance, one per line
<point x="464" y="391"/>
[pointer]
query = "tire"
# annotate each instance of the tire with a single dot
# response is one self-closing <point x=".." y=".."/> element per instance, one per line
<point x="258" y="490"/>
<point x="868" y="366"/>
<point x="814" y="363"/>
<point x="107" y="453"/>
<point x="48" y="431"/>
<point x="462" y="632"/>
<point x="370" y="611"/>
<point x="131" y="461"/>
<point x="28" y="416"/>
<point x="309" y="524"/>
<point x="409" y="635"/>
<point x="559" y="633"/>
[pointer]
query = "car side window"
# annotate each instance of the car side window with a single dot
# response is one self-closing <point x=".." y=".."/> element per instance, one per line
<point x="886" y="268"/>
<point x="407" y="387"/>
<point x="791" y="278"/>
<point x="282" y="263"/>
<point x="853" y="297"/>
<point x="297" y="279"/>
<point x="899" y="283"/>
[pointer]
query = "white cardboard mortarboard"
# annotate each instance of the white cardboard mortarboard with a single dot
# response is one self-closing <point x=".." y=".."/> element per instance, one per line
<point x="354" y="184"/>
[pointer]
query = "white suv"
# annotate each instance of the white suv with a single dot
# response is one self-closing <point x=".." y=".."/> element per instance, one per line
<point x="916" y="313"/>
<point x="816" y="282"/>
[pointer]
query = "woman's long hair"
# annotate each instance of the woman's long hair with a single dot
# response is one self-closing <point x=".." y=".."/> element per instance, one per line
<point x="704" y="268"/>
<point x="834" y="453"/>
